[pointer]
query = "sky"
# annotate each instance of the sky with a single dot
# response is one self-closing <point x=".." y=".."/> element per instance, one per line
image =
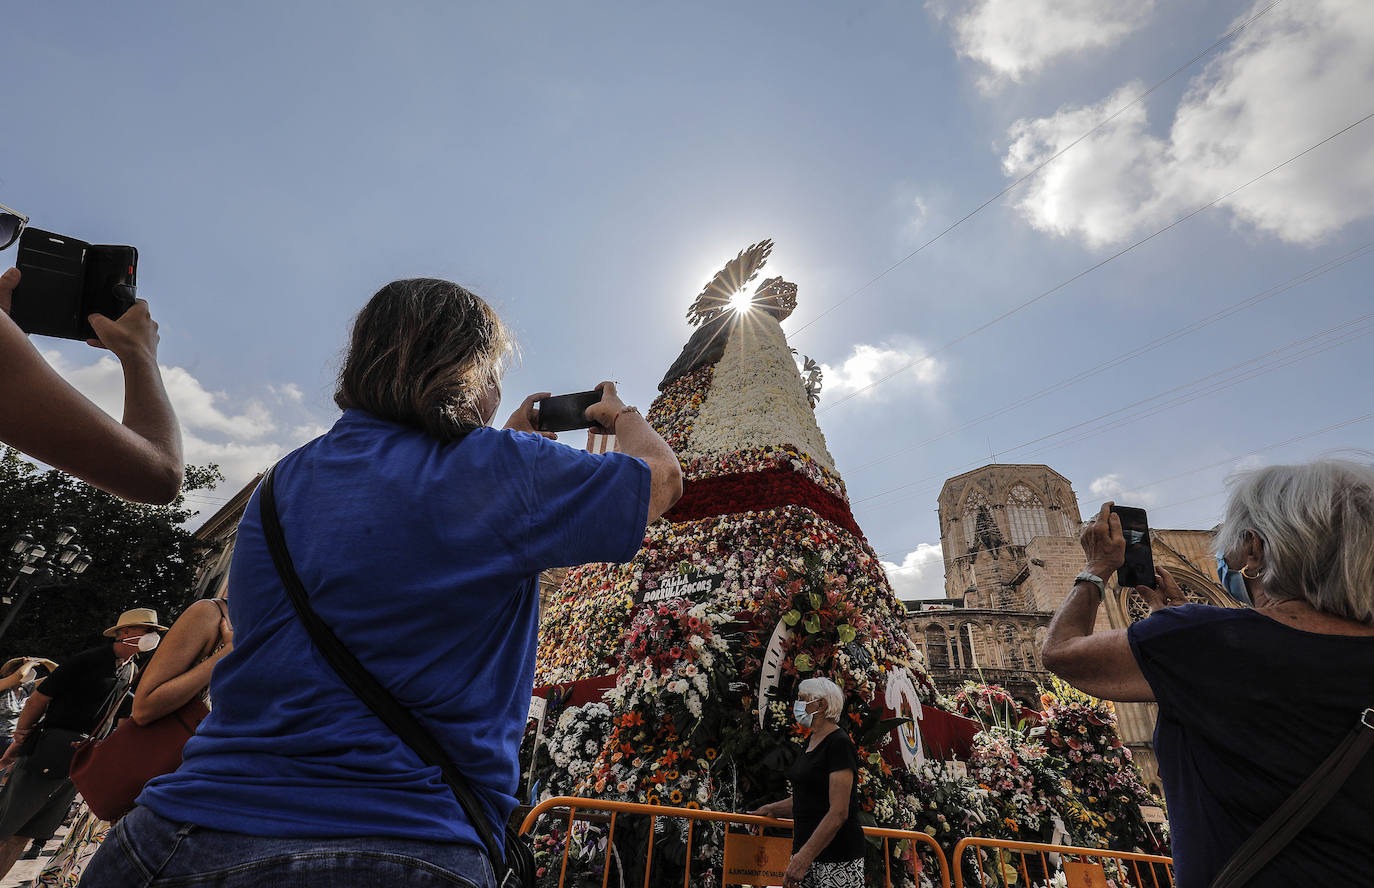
<point x="587" y="167"/>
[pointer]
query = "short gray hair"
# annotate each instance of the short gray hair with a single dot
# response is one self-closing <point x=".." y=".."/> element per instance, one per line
<point x="827" y="690"/>
<point x="1317" y="524"/>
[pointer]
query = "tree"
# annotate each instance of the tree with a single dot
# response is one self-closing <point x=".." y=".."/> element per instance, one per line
<point x="144" y="556"/>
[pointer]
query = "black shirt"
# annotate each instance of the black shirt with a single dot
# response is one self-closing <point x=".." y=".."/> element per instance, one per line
<point x="810" y="776"/>
<point x="80" y="689"/>
<point x="1248" y="708"/>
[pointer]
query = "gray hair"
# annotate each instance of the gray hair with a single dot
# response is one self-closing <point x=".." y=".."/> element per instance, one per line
<point x="1317" y="524"/>
<point x="826" y="690"/>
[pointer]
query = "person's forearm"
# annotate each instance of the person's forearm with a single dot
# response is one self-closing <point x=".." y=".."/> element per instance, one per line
<point x="1074" y="619"/>
<point x="28" y="717"/>
<point x="12" y="681"/>
<point x="171" y="695"/>
<point x="825" y="831"/>
<point x="635" y="437"/>
<point x="148" y="413"/>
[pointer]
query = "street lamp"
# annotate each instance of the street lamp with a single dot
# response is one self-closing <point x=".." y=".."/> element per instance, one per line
<point x="67" y="561"/>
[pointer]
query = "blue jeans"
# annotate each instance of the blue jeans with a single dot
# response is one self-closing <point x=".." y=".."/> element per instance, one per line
<point x="146" y="850"/>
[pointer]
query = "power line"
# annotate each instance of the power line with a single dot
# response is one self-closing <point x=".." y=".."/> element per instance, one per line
<point x="1082" y="274"/>
<point x="1115" y="114"/>
<point x="1293" y="440"/>
<point x="1117" y="360"/>
<point x="1309" y="345"/>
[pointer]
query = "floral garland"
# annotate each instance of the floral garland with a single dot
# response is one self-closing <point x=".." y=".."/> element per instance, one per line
<point x="758" y="491"/>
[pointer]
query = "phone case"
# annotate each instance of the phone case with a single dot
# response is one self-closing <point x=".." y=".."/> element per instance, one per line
<point x="66" y="279"/>
<point x="49" y="296"/>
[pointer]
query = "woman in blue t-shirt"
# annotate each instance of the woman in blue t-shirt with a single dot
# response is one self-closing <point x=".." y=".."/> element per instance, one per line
<point x="419" y="534"/>
<point x="1251" y="701"/>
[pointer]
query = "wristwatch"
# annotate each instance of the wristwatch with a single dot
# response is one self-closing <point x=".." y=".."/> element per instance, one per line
<point x="1096" y="581"/>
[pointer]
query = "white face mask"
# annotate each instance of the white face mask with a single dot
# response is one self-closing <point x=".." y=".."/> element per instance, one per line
<point x="803" y="717"/>
<point x="149" y="642"/>
<point x="30" y="674"/>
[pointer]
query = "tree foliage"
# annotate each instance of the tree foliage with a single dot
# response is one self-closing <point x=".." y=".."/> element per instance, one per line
<point x="144" y="556"/>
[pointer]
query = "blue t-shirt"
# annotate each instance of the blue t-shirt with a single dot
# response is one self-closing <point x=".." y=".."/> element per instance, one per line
<point x="1248" y="707"/>
<point x="423" y="558"/>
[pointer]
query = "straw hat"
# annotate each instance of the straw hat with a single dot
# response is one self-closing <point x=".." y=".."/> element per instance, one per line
<point x="139" y="616"/>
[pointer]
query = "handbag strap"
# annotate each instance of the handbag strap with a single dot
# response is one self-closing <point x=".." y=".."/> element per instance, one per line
<point x="1299" y="809"/>
<point x="396" y="717"/>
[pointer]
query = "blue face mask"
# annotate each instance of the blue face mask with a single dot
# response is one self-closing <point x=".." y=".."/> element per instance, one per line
<point x="1232" y="581"/>
<point x="803" y="717"/>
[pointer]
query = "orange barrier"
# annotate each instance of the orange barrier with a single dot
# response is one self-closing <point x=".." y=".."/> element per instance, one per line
<point x="1082" y="867"/>
<point x="692" y="815"/>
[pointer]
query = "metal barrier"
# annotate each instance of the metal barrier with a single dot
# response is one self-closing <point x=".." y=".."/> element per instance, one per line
<point x="692" y="815"/>
<point x="1081" y="866"/>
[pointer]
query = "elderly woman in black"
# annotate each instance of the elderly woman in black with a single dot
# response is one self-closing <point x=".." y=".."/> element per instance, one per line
<point x="1251" y="701"/>
<point x="827" y="840"/>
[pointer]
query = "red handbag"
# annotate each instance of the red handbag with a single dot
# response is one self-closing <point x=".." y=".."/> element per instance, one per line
<point x="110" y="773"/>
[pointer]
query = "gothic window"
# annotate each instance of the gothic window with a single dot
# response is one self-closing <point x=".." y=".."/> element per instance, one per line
<point x="976" y="502"/>
<point x="1137" y="609"/>
<point x="937" y="650"/>
<point x="1026" y="515"/>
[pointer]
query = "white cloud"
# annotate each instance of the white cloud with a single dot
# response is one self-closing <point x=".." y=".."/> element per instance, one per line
<point x="240" y="435"/>
<point x="1111" y="487"/>
<point x="289" y="392"/>
<point x="915" y="211"/>
<point x="920" y="575"/>
<point x="1014" y="38"/>
<point x="1284" y="83"/>
<point x="867" y="364"/>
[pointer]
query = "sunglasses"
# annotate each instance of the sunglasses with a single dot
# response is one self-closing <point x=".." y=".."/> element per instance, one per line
<point x="11" y="223"/>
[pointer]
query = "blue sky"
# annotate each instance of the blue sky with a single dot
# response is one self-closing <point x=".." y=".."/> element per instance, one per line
<point x="586" y="167"/>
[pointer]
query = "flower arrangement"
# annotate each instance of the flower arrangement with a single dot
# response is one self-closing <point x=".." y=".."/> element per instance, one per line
<point x="988" y="704"/>
<point x="1081" y="731"/>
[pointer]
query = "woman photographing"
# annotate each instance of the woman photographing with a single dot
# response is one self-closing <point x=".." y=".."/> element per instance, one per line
<point x="827" y="840"/>
<point x="1251" y="701"/>
<point x="418" y="533"/>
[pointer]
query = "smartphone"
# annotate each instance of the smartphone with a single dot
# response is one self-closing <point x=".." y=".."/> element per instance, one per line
<point x="1139" y="569"/>
<point x="562" y="413"/>
<point x="65" y="279"/>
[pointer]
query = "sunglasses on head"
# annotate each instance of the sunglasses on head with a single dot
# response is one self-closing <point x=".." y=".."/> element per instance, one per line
<point x="11" y="223"/>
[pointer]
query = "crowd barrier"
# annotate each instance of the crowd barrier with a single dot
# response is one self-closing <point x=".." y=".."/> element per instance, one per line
<point x="692" y="816"/>
<point x="1001" y="863"/>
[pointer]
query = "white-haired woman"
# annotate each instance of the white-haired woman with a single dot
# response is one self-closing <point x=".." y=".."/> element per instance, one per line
<point x="827" y="840"/>
<point x="1251" y="702"/>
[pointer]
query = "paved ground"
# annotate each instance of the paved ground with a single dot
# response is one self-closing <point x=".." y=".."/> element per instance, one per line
<point x="25" y="871"/>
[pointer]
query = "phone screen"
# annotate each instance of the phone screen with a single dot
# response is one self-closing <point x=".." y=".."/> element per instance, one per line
<point x="1139" y="569"/>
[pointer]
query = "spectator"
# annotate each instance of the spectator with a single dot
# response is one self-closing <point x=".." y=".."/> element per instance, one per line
<point x="1251" y="701"/>
<point x="79" y="698"/>
<point x="177" y="674"/>
<point x="43" y="416"/>
<point x="419" y="534"/>
<point x="17" y="679"/>
<point x="827" y="840"/>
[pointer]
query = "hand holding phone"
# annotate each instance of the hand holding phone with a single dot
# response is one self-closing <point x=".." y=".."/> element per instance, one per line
<point x="562" y="413"/>
<point x="66" y="280"/>
<point x="1139" y="566"/>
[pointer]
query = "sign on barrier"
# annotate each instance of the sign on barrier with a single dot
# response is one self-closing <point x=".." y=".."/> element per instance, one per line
<point x="756" y="860"/>
<point x="1084" y="875"/>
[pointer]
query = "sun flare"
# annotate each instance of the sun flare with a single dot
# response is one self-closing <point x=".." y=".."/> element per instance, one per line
<point x="741" y="301"/>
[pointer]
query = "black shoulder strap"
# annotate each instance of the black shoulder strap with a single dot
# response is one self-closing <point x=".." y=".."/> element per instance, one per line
<point x="1299" y="809"/>
<point x="369" y="690"/>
